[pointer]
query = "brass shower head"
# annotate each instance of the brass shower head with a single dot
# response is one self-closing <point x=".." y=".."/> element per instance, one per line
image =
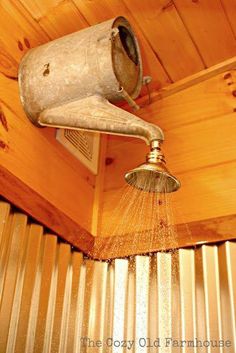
<point x="153" y="176"/>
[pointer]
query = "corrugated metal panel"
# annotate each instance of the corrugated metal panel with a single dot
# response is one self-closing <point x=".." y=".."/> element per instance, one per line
<point x="53" y="300"/>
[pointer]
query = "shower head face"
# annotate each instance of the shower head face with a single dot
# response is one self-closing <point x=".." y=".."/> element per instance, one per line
<point x="152" y="177"/>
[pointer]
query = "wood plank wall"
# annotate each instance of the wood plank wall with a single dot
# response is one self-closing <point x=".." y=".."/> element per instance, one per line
<point x="178" y="37"/>
<point x="37" y="173"/>
<point x="200" y="127"/>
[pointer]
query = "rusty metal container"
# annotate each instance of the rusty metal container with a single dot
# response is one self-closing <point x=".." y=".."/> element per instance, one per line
<point x="100" y="60"/>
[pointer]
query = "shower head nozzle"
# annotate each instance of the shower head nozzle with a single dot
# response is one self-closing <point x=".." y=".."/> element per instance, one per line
<point x="153" y="176"/>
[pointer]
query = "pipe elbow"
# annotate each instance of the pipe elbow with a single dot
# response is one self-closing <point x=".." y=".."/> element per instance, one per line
<point x="149" y="132"/>
<point x="154" y="132"/>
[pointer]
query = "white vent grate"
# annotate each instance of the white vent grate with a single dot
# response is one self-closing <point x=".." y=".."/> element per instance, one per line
<point x="83" y="145"/>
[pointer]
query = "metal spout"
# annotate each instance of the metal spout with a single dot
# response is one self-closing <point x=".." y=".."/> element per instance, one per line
<point x="96" y="114"/>
<point x="153" y="176"/>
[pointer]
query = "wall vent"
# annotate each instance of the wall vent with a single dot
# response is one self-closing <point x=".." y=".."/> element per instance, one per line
<point x="83" y="145"/>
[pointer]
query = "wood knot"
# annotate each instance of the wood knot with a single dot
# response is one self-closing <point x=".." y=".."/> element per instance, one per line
<point x="3" y="145"/>
<point x="20" y="45"/>
<point x="3" y="119"/>
<point x="109" y="161"/>
<point x="27" y="43"/>
<point x="227" y="76"/>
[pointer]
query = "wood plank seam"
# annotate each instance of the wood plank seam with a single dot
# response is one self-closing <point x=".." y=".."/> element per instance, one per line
<point x="227" y="16"/>
<point x="190" y="35"/>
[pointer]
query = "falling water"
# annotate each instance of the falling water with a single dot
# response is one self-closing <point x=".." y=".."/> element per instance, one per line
<point x="142" y="221"/>
<point x="141" y="224"/>
<point x="146" y="219"/>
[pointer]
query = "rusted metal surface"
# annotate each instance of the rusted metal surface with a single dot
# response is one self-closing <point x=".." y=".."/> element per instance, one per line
<point x="72" y="81"/>
<point x="95" y="60"/>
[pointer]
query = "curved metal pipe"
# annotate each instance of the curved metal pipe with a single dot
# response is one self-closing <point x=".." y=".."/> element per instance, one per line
<point x="96" y="114"/>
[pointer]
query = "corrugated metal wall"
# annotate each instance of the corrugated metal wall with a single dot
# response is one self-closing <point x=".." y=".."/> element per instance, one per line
<point x="51" y="299"/>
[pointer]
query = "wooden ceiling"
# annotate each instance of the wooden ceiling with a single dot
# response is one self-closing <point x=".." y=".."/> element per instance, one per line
<point x="177" y="37"/>
<point x="199" y="126"/>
